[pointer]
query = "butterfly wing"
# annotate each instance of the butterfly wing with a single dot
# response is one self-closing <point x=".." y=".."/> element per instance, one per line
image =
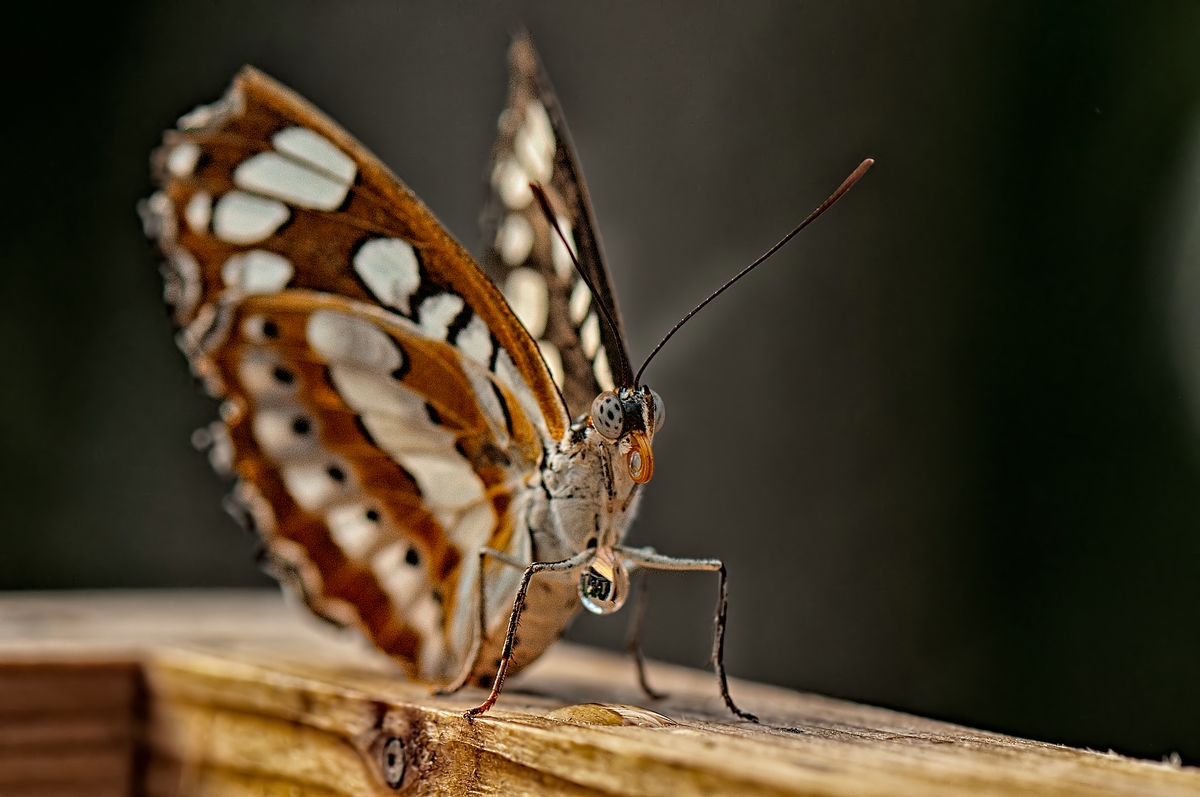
<point x="525" y="256"/>
<point x="384" y="410"/>
<point x="261" y="184"/>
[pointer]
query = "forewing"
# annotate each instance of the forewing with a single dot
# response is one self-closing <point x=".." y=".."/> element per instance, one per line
<point x="525" y="257"/>
<point x="383" y="407"/>
<point x="375" y="462"/>
<point x="261" y="190"/>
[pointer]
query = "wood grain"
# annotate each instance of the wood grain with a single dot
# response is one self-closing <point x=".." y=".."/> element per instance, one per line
<point x="235" y="694"/>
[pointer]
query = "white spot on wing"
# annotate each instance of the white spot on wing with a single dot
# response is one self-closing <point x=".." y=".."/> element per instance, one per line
<point x="252" y="328"/>
<point x="242" y="218"/>
<point x="526" y="292"/>
<point x="206" y="116"/>
<point x="553" y="360"/>
<point x="534" y="143"/>
<point x="514" y="239"/>
<point x="274" y="433"/>
<point x="351" y="530"/>
<point x="198" y="212"/>
<point x="389" y="268"/>
<point x="474" y="528"/>
<point x="393" y="415"/>
<point x="446" y="481"/>
<point x="192" y="337"/>
<point x="512" y="183"/>
<point x="257" y="271"/>
<point x="475" y="341"/>
<point x="215" y="439"/>
<point x="602" y="370"/>
<point x="181" y="286"/>
<point x="558" y="253"/>
<point x="589" y="335"/>
<point x="408" y="590"/>
<point x="315" y="150"/>
<point x="158" y="217"/>
<point x="341" y="338"/>
<point x="256" y="372"/>
<point x="310" y="485"/>
<point x="580" y="301"/>
<point x="402" y="436"/>
<point x="373" y="393"/>
<point x="437" y="312"/>
<point x="273" y="175"/>
<point x="182" y="159"/>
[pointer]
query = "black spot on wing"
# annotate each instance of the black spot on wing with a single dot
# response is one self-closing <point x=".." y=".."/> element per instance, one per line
<point x="495" y="354"/>
<point x="458" y="324"/>
<point x="362" y="429"/>
<point x="435" y="417"/>
<point x="405" y="363"/>
<point x="508" y="421"/>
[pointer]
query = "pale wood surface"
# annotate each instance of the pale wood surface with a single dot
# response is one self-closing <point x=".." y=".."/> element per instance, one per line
<point x="236" y="694"/>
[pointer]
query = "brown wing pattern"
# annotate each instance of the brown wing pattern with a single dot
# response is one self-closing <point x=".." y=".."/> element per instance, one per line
<point x="384" y="408"/>
<point x="375" y="463"/>
<point x="525" y="257"/>
<point x="263" y="174"/>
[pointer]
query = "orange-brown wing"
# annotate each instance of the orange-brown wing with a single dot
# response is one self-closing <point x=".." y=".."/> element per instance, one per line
<point x="374" y="461"/>
<point x="261" y="187"/>
<point x="384" y="409"/>
<point x="526" y="257"/>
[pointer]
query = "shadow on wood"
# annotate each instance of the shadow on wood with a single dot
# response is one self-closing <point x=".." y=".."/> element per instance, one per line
<point x="232" y="693"/>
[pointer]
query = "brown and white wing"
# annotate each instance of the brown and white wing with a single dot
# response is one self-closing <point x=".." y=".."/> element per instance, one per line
<point x="525" y="257"/>
<point x="383" y="409"/>
<point x="262" y="188"/>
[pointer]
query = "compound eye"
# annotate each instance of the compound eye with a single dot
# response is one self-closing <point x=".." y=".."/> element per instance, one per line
<point x="608" y="416"/>
<point x="658" y="412"/>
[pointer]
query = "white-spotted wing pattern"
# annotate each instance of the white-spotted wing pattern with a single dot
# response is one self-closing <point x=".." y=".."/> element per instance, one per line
<point x="413" y="440"/>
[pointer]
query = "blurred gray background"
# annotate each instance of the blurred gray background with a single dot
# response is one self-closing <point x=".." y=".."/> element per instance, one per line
<point x="946" y="441"/>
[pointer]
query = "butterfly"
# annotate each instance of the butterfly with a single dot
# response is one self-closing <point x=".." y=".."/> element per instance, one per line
<point x="442" y="454"/>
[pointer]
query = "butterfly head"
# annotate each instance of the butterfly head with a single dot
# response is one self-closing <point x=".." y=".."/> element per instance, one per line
<point x="629" y="418"/>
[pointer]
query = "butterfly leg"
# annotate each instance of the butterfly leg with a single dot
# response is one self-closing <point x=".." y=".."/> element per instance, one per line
<point x="634" y="645"/>
<point x="574" y="563"/>
<point x="473" y="656"/>
<point x="646" y="557"/>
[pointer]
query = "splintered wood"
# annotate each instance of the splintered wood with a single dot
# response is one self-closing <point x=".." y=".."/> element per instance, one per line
<point x="234" y="694"/>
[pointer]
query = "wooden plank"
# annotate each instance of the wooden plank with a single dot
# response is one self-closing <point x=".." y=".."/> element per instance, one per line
<point x="105" y="686"/>
<point x="247" y="697"/>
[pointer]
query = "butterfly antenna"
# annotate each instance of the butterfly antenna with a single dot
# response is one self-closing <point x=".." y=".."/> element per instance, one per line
<point x="544" y="204"/>
<point x="846" y="185"/>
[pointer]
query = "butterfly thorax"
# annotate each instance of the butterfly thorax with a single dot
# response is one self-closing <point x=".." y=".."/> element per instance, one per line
<point x="590" y="489"/>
